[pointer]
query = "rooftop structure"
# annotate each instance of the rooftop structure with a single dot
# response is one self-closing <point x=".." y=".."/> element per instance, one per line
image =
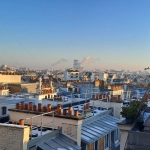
<point x="74" y="123"/>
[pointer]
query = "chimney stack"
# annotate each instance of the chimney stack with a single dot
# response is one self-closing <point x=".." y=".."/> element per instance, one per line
<point x="70" y="111"/>
<point x="76" y="113"/>
<point x="34" y="107"/>
<point x="44" y="109"/>
<point x="87" y="106"/>
<point x="26" y="107"/>
<point x="30" y="106"/>
<point x="22" y="105"/>
<point x="21" y="122"/>
<point x="49" y="107"/>
<point x="39" y="107"/>
<point x="17" y="105"/>
<point x="64" y="111"/>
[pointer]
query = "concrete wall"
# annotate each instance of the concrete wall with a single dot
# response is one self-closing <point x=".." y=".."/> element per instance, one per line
<point x="13" y="137"/>
<point x="117" y="106"/>
<point x="10" y="78"/>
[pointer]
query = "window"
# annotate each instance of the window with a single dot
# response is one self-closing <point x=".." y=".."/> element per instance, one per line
<point x="4" y="110"/>
<point x="116" y="136"/>
<point x="96" y="145"/>
<point x="106" y="142"/>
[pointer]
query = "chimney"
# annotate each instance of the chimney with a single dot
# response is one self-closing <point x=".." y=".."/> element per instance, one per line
<point x="21" y="122"/>
<point x="26" y="107"/>
<point x="34" y="107"/>
<point x="70" y="111"/>
<point x="39" y="107"/>
<point x="119" y="97"/>
<point x="59" y="108"/>
<point x="76" y="113"/>
<point x="22" y="105"/>
<point x="96" y="96"/>
<point x="87" y="106"/>
<point x="100" y="96"/>
<point x="64" y="111"/>
<point x="17" y="105"/>
<point x="30" y="106"/>
<point x="49" y="107"/>
<point x="44" y="109"/>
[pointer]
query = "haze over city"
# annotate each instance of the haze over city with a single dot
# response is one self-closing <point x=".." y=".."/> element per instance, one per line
<point x="51" y="34"/>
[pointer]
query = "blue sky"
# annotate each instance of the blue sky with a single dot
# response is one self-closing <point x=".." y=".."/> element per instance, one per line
<point x="38" y="33"/>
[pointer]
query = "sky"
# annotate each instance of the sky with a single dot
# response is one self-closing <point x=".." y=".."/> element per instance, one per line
<point x="110" y="34"/>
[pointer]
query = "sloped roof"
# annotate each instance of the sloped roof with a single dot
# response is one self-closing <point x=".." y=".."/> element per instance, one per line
<point x="93" y="131"/>
<point x="60" y="142"/>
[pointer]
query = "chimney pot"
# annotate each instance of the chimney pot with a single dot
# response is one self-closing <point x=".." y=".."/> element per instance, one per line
<point x="17" y="105"/>
<point x="76" y="113"/>
<point x="70" y="111"/>
<point x="87" y="106"/>
<point x="39" y="107"/>
<point x="30" y="106"/>
<point x="22" y="105"/>
<point x="34" y="107"/>
<point x="26" y="107"/>
<point x="21" y="122"/>
<point x="64" y="111"/>
<point x="49" y="107"/>
<point x="44" y="109"/>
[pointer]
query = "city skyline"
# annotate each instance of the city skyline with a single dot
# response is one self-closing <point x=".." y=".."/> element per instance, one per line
<point x="37" y="34"/>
